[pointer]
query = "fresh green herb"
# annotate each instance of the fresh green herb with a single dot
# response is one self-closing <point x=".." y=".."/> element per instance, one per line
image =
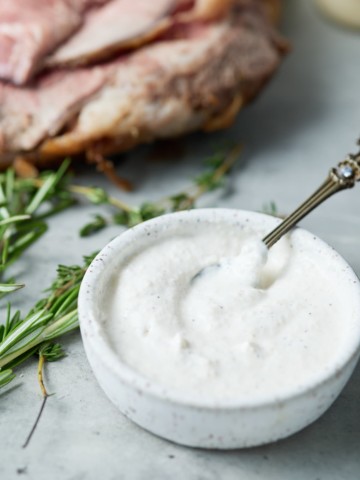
<point x="97" y="224"/>
<point x="270" y="209"/>
<point x="24" y="205"/>
<point x="48" y="352"/>
<point x="57" y="314"/>
<point x="218" y="168"/>
<point x="47" y="188"/>
<point x="50" y="318"/>
<point x="98" y="196"/>
<point x="9" y="287"/>
<point x="6" y="376"/>
<point x="51" y="352"/>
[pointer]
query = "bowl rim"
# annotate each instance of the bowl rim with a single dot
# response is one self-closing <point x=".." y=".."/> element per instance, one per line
<point x="93" y="337"/>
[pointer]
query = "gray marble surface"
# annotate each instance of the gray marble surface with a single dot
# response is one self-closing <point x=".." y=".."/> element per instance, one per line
<point x="302" y="124"/>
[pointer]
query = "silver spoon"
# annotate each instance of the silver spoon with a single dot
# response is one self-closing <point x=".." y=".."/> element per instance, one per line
<point x="345" y="175"/>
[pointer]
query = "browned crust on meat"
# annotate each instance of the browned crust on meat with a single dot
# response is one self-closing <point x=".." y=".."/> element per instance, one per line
<point x="226" y="117"/>
<point x="213" y="102"/>
<point x="273" y="10"/>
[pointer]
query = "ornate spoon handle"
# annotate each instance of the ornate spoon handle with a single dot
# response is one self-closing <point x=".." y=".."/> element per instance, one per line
<point x="345" y="175"/>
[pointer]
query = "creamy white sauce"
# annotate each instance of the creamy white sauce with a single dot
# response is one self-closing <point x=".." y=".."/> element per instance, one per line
<point x="251" y="323"/>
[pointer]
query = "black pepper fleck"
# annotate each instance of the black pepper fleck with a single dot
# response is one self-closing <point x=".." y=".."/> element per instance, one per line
<point x="21" y="470"/>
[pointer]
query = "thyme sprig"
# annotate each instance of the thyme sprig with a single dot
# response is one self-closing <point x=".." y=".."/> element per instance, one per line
<point x="24" y="204"/>
<point x="56" y="314"/>
<point x="217" y="168"/>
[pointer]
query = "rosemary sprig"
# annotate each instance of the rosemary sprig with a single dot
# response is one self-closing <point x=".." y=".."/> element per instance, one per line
<point x="24" y="204"/>
<point x="57" y="314"/>
<point x="50" y="318"/>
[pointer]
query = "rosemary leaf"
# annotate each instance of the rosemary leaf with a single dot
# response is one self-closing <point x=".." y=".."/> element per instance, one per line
<point x="50" y="317"/>
<point x="21" y="224"/>
<point x="25" y="332"/>
<point x="14" y="219"/>
<point x="10" y="287"/>
<point x="6" y="376"/>
<point x="25" y="236"/>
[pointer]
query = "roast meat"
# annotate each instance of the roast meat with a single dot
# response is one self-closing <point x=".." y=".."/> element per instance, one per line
<point x="208" y="59"/>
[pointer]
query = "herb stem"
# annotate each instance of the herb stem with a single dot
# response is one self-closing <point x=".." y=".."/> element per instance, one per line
<point x="222" y="170"/>
<point x="229" y="161"/>
<point x="41" y="376"/>
<point x="81" y="190"/>
<point x="195" y="192"/>
<point x="27" y="441"/>
<point x="45" y="395"/>
<point x="57" y="314"/>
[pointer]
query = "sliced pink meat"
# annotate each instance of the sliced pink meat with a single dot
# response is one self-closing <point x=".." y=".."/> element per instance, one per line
<point x="29" y="29"/>
<point x="211" y="9"/>
<point x="199" y="78"/>
<point x="198" y="71"/>
<point x="120" y="24"/>
<point x="28" y="114"/>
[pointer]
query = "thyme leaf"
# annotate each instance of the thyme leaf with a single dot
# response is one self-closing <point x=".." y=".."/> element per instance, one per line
<point x="270" y="209"/>
<point x="212" y="178"/>
<point x="97" y="224"/>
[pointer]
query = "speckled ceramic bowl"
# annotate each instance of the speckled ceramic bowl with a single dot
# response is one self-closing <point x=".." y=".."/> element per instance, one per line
<point x="230" y="424"/>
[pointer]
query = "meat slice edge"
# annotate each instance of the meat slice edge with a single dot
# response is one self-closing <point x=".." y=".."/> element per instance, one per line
<point x="28" y="114"/>
<point x="172" y="88"/>
<point x="199" y="80"/>
<point x="128" y="24"/>
<point x="119" y="25"/>
<point x="29" y="29"/>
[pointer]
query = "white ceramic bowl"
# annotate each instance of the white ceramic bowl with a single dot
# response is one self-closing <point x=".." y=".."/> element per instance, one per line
<point x="232" y="424"/>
